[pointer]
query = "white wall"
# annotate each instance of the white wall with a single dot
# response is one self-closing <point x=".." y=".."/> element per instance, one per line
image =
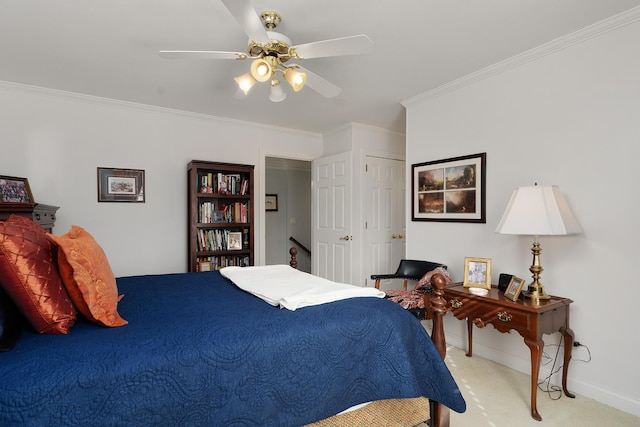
<point x="57" y="140"/>
<point x="567" y="114"/>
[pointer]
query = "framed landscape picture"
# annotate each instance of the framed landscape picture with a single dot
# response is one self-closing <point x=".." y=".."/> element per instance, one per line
<point x="449" y="190"/>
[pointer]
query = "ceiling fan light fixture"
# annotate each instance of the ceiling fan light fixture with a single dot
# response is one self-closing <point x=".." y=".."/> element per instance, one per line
<point x="277" y="93"/>
<point x="261" y="70"/>
<point x="245" y="82"/>
<point x="295" y="78"/>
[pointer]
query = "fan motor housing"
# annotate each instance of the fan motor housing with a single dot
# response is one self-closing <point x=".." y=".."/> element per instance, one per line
<point x="278" y="46"/>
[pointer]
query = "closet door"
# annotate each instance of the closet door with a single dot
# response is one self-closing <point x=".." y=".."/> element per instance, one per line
<point x="385" y="222"/>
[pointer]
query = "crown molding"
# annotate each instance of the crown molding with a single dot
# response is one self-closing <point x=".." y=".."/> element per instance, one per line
<point x="595" y="30"/>
<point x="146" y="108"/>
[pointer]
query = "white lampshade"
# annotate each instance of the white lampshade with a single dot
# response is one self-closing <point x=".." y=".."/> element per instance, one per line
<point x="538" y="211"/>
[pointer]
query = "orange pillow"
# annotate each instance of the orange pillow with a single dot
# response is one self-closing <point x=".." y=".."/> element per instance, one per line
<point x="29" y="275"/>
<point x="88" y="277"/>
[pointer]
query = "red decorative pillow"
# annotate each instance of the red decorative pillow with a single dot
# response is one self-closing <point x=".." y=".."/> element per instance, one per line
<point x="29" y="275"/>
<point x="88" y="277"/>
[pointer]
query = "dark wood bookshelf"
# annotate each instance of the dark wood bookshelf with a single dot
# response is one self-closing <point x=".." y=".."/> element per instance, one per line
<point x="221" y="215"/>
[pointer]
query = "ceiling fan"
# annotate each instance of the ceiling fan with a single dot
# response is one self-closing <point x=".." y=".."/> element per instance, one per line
<point x="271" y="52"/>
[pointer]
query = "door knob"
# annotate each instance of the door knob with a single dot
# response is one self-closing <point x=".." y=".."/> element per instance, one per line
<point x="345" y="237"/>
<point x="394" y="236"/>
<point x="401" y="236"/>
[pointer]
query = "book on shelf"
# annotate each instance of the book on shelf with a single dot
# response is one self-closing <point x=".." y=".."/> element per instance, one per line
<point x="245" y="238"/>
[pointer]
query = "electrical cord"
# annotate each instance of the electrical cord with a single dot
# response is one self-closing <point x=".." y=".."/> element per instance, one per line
<point x="553" y="391"/>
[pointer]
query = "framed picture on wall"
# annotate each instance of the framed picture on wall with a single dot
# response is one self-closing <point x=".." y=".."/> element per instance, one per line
<point x="271" y="202"/>
<point x="449" y="190"/>
<point x="120" y="185"/>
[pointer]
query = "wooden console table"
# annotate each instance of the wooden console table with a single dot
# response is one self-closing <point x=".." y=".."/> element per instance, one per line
<point x="529" y="319"/>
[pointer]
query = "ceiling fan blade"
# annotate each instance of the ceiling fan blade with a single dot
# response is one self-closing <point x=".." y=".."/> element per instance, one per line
<point x="248" y="19"/>
<point x="352" y="45"/>
<point x="320" y="85"/>
<point x="201" y="54"/>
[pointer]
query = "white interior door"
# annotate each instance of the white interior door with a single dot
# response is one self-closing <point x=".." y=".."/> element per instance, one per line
<point x="385" y="223"/>
<point x="331" y="206"/>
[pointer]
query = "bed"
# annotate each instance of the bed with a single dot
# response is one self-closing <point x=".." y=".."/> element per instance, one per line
<point x="198" y="350"/>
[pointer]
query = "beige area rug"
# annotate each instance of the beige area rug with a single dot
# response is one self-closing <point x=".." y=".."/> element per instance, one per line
<point x="382" y="413"/>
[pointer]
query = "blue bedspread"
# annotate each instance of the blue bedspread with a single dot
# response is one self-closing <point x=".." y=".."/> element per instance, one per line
<point x="200" y="352"/>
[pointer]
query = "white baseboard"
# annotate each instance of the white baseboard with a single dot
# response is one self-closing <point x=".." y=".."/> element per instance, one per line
<point x="607" y="397"/>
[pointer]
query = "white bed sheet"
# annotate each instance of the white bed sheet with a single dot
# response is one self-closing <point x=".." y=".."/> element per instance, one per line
<point x="284" y="286"/>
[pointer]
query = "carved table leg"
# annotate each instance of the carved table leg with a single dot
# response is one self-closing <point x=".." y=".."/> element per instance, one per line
<point x="469" y="337"/>
<point x="568" y="345"/>
<point x="536" y="353"/>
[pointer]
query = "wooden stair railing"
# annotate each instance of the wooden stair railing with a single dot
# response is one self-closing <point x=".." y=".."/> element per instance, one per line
<point x="303" y="247"/>
<point x="294" y="252"/>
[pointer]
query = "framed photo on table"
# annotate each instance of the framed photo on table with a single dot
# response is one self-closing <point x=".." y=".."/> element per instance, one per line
<point x="514" y="288"/>
<point x="15" y="190"/>
<point x="449" y="190"/>
<point x="477" y="273"/>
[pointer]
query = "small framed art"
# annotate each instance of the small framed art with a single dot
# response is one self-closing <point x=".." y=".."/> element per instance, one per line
<point x="234" y="240"/>
<point x="477" y="273"/>
<point x="271" y="202"/>
<point x="449" y="189"/>
<point x="514" y="288"/>
<point x="15" y="190"/>
<point x="120" y="185"/>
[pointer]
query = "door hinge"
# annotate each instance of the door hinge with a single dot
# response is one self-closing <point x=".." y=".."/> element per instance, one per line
<point x="366" y="225"/>
<point x="366" y="168"/>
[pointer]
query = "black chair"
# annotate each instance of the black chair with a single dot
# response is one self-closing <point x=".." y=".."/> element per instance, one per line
<point x="409" y="269"/>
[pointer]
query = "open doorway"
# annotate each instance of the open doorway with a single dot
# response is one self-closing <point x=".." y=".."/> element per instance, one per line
<point x="288" y="216"/>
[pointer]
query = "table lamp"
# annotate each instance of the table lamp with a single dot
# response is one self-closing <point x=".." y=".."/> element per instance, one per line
<point x="538" y="211"/>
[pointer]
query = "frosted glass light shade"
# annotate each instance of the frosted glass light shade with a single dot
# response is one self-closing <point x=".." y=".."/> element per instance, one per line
<point x="295" y="79"/>
<point x="245" y="82"/>
<point x="277" y="94"/>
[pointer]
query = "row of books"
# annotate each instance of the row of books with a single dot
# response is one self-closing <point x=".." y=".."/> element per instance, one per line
<point x="210" y="212"/>
<point x="220" y="183"/>
<point x="218" y="262"/>
<point x="222" y="239"/>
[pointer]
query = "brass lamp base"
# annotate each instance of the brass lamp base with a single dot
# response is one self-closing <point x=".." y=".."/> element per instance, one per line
<point x="536" y="294"/>
<point x="536" y="290"/>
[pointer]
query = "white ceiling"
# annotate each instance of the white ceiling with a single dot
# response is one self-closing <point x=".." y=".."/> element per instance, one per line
<point x="109" y="48"/>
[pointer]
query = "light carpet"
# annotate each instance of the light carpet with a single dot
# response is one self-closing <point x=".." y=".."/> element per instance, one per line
<point x="382" y="413"/>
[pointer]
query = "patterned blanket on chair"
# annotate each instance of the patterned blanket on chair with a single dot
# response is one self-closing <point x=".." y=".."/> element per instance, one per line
<point x="414" y="299"/>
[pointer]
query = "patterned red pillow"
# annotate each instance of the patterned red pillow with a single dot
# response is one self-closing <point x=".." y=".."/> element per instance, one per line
<point x="29" y="275"/>
<point x="87" y="276"/>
